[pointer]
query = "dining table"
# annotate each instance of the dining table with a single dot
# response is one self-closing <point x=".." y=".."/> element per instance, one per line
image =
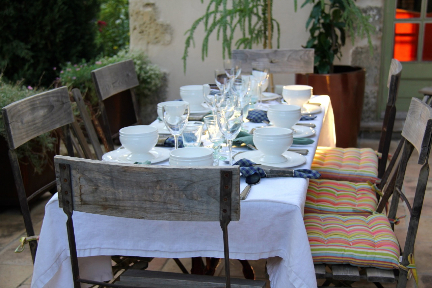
<point x="271" y="227"/>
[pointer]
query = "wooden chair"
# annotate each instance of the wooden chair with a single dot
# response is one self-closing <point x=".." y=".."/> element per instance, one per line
<point x="114" y="87"/>
<point x="337" y="163"/>
<point x="29" y="118"/>
<point x="355" y="233"/>
<point x="83" y="186"/>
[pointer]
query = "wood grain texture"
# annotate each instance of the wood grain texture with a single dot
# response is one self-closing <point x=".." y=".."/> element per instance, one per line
<point x="167" y="279"/>
<point x="345" y="272"/>
<point x="281" y="61"/>
<point x="418" y="128"/>
<point x="380" y="275"/>
<point x="35" y="115"/>
<point x="114" y="78"/>
<point x="149" y="192"/>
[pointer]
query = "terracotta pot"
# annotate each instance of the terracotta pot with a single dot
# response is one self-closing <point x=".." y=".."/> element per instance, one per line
<point x="346" y="90"/>
<point x="32" y="180"/>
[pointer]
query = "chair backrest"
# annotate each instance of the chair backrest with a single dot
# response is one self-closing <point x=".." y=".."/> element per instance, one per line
<point x="394" y="76"/>
<point x="114" y="87"/>
<point x="416" y="134"/>
<point x="27" y="119"/>
<point x="200" y="194"/>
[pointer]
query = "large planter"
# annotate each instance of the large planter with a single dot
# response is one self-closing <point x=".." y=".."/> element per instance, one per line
<point x="346" y="90"/>
<point x="32" y="180"/>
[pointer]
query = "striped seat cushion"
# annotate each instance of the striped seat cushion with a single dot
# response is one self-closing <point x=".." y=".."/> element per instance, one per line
<point x="340" y="197"/>
<point x="346" y="164"/>
<point x="356" y="240"/>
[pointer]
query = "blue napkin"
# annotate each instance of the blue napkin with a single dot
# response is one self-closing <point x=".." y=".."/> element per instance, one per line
<point x="258" y="116"/>
<point x="247" y="169"/>
<point x="170" y="142"/>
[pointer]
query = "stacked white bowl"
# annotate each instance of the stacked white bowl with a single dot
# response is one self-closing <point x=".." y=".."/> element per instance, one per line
<point x="284" y="116"/>
<point x="194" y="95"/>
<point x="297" y="94"/>
<point x="273" y="142"/>
<point x="139" y="140"/>
<point x="191" y="156"/>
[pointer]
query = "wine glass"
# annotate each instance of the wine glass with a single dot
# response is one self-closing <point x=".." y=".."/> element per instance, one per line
<point x="232" y="68"/>
<point x="230" y="119"/>
<point x="222" y="81"/>
<point x="175" y="116"/>
<point x="260" y="73"/>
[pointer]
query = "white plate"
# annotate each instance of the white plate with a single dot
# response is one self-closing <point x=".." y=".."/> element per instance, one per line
<point x="161" y="127"/>
<point x="267" y="96"/>
<point x="203" y="110"/>
<point x="310" y="109"/>
<point x="120" y="155"/>
<point x="303" y="131"/>
<point x="293" y="159"/>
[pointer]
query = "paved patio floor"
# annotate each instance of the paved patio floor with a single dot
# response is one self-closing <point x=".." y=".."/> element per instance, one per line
<point x="16" y="269"/>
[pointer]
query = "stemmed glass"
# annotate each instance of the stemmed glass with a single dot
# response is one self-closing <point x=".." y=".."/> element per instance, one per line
<point x="230" y="119"/>
<point x="260" y="73"/>
<point x="232" y="68"/>
<point x="242" y="87"/>
<point x="175" y="116"/>
<point x="222" y="81"/>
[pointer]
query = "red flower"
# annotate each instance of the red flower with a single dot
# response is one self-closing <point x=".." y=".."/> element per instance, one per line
<point x="101" y="24"/>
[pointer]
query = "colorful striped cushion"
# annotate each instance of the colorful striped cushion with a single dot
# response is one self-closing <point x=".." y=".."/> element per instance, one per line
<point x="340" y="197"/>
<point x="356" y="240"/>
<point x="346" y="164"/>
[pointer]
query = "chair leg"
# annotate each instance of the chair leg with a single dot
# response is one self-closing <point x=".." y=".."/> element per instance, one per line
<point x="211" y="265"/>
<point x="248" y="271"/>
<point x="197" y="266"/>
<point x="181" y="266"/>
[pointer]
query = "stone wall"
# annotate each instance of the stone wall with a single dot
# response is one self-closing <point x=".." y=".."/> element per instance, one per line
<point x="158" y="28"/>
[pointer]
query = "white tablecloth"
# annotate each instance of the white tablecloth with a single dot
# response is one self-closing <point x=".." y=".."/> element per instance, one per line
<point x="271" y="226"/>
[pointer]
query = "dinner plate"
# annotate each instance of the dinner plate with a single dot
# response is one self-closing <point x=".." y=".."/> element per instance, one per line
<point x="293" y="159"/>
<point x="120" y="155"/>
<point x="267" y="96"/>
<point x="310" y="109"/>
<point x="303" y="131"/>
<point x="204" y="110"/>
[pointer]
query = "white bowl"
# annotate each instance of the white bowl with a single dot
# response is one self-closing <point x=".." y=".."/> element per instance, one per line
<point x="191" y="156"/>
<point x="272" y="142"/>
<point x="297" y="94"/>
<point x="139" y="140"/>
<point x="194" y="95"/>
<point x="284" y="116"/>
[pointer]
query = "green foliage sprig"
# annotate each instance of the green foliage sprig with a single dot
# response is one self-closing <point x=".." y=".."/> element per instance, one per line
<point x="250" y="17"/>
<point x="328" y="24"/>
<point x="35" y="151"/>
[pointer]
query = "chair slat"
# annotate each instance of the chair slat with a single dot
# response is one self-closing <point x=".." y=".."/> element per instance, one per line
<point x="345" y="272"/>
<point x="320" y="271"/>
<point x="102" y="188"/>
<point x="280" y="60"/>
<point x="36" y="115"/>
<point x="380" y="275"/>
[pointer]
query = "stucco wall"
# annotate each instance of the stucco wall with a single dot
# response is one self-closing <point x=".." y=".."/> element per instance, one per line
<point x="158" y="27"/>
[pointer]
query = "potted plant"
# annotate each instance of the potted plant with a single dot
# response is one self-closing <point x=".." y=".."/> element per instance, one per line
<point x="252" y="18"/>
<point x="329" y="23"/>
<point x="35" y="156"/>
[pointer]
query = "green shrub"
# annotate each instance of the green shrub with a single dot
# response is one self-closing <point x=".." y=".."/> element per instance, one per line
<point x="113" y="26"/>
<point x="34" y="151"/>
<point x="37" y="35"/>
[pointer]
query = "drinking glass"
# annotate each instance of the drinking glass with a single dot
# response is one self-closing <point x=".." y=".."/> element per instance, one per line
<point x="232" y="68"/>
<point x="222" y="80"/>
<point x="192" y="134"/>
<point x="214" y="135"/>
<point x="260" y="73"/>
<point x="175" y="116"/>
<point x="229" y="120"/>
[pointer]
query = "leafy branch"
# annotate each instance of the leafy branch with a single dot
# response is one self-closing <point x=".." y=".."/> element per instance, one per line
<point x="250" y="17"/>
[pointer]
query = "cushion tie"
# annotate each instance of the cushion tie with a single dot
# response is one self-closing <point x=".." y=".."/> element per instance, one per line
<point x="396" y="220"/>
<point x="25" y="240"/>
<point x="411" y="268"/>
<point x="375" y="188"/>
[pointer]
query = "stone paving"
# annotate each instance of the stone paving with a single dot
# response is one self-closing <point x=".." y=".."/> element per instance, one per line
<point x="16" y="269"/>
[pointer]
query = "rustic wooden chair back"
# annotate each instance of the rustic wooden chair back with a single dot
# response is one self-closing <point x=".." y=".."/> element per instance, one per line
<point x="394" y="76"/>
<point x="114" y="87"/>
<point x="417" y="133"/>
<point x="29" y="118"/>
<point x="105" y="188"/>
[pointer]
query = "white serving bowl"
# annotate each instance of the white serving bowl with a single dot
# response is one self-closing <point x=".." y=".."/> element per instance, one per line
<point x="272" y="142"/>
<point x="191" y="156"/>
<point x="297" y="94"/>
<point x="194" y="95"/>
<point x="284" y="116"/>
<point x="139" y="140"/>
